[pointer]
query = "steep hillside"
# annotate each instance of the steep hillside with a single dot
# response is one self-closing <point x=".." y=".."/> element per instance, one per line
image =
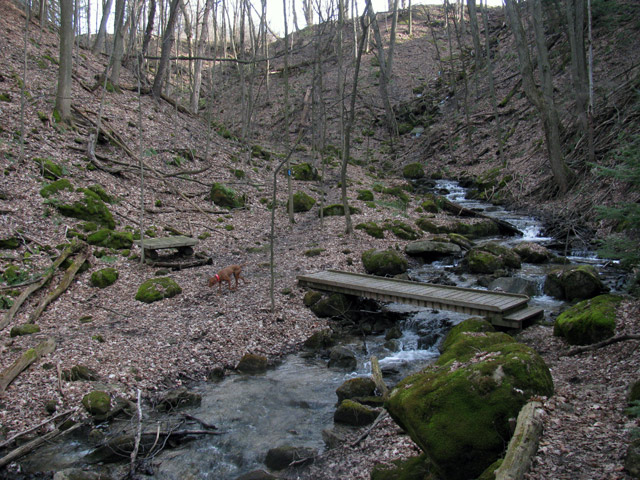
<point x="155" y="347"/>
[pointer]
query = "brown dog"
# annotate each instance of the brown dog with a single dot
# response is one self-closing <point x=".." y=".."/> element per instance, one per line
<point x="225" y="274"/>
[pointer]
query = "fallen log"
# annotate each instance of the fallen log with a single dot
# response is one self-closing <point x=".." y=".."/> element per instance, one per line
<point x="35" y="443"/>
<point x="523" y="444"/>
<point x="604" y="343"/>
<point x="27" y="358"/>
<point x="75" y="246"/>
<point x="64" y="283"/>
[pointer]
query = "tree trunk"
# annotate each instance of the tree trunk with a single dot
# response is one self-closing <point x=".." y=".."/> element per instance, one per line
<point x="63" y="95"/>
<point x="307" y="9"/>
<point x="543" y="101"/>
<point x="106" y="11"/>
<point x="492" y="88"/>
<point x="118" y="44"/>
<point x="167" y="40"/>
<point x="149" y="29"/>
<point x="197" y="72"/>
<point x="475" y="35"/>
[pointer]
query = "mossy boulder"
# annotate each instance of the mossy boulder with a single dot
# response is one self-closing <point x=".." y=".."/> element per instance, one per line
<point x="589" y="321"/>
<point x="430" y="250"/>
<point x="574" y="283"/>
<point x="401" y="230"/>
<point x="342" y="357"/>
<point x="320" y="340"/>
<point x="311" y="297"/>
<point x="356" y="387"/>
<point x="334" y="305"/>
<point x="100" y="192"/>
<point x="108" y="238"/>
<point x="24" y="329"/>
<point x="97" y="402"/>
<point x="252" y="363"/>
<point x="49" y="169"/>
<point x="470" y="325"/>
<point x="304" y="172"/>
<point x="336" y="209"/>
<point x="10" y="243"/>
<point x="156" y="289"/>
<point x="104" y="277"/>
<point x="413" y="171"/>
<point x="458" y="411"/>
<point x="384" y="262"/>
<point x="55" y="187"/>
<point x="224" y="196"/>
<point x="365" y="195"/>
<point x="490" y="257"/>
<point x="302" y="202"/>
<point x="371" y="228"/>
<point x="532" y="252"/>
<point x="90" y="208"/>
<point x="279" y="458"/>
<point x="355" y="414"/>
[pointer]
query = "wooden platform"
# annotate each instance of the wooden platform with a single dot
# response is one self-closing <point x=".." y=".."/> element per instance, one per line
<point x="183" y="244"/>
<point x="501" y="309"/>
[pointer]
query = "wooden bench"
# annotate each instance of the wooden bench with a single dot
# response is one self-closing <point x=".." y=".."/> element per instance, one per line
<point x="183" y="244"/>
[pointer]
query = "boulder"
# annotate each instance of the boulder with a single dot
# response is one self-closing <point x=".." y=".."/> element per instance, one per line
<point x="224" y="196"/>
<point x="305" y="172"/>
<point x="432" y="250"/>
<point x="365" y="195"/>
<point x="356" y="387"/>
<point x="371" y="228"/>
<point x="252" y="363"/>
<point x="279" y="458"/>
<point x="156" y="289"/>
<point x="334" y="305"/>
<point x="302" y="202"/>
<point x="490" y="257"/>
<point x="355" y="414"/>
<point x="401" y="230"/>
<point x="90" y="208"/>
<point x="336" y="209"/>
<point x="342" y="357"/>
<point x="574" y="282"/>
<point x="515" y="285"/>
<point x="589" y="321"/>
<point x="413" y="171"/>
<point x="319" y="340"/>
<point x="384" y="262"/>
<point x="532" y="252"/>
<point x="104" y="277"/>
<point x="111" y="239"/>
<point x="178" y="398"/>
<point x="24" y="329"/>
<point x="458" y="409"/>
<point x="97" y="402"/>
<point x="55" y="187"/>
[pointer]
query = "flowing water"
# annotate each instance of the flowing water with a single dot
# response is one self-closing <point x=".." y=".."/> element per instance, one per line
<point x="292" y="403"/>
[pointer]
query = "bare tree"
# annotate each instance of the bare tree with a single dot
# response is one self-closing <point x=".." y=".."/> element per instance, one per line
<point x="201" y="42"/>
<point x="63" y="94"/>
<point x="167" y="40"/>
<point x="118" y="43"/>
<point x="102" y="31"/>
<point x="541" y="99"/>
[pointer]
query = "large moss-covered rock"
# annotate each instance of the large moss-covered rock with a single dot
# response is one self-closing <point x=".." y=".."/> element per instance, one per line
<point x="532" y="252"/>
<point x="401" y="230"/>
<point x="458" y="410"/>
<point x="413" y="171"/>
<point x="384" y="262"/>
<point x="356" y="387"/>
<point x="10" y="243"/>
<point x="574" y="282"/>
<point x="302" y="202"/>
<point x="49" y="169"/>
<point x="589" y="321"/>
<point x="372" y="228"/>
<point x="336" y="209"/>
<point x="354" y="413"/>
<point x="472" y="228"/>
<point x="55" y="187"/>
<point x="97" y="402"/>
<point x="342" y="357"/>
<point x="252" y="363"/>
<point x="156" y="289"/>
<point x="319" y="340"/>
<point x="104" y="277"/>
<point x="224" y="196"/>
<point x="470" y="325"/>
<point x="490" y="257"/>
<point x="90" y="208"/>
<point x="304" y="172"/>
<point x="108" y="238"/>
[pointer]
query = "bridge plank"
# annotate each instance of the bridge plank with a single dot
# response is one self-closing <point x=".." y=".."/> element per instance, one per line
<point x="494" y="305"/>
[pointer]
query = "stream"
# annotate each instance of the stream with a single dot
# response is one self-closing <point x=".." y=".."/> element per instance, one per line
<point x="294" y="402"/>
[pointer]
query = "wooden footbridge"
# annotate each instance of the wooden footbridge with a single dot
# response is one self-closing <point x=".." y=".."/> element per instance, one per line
<point x="501" y="309"/>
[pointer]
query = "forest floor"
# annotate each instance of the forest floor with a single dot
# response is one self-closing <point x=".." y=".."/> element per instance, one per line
<point x="154" y="348"/>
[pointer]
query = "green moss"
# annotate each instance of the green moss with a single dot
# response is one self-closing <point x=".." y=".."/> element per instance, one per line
<point x="401" y="230"/>
<point x="55" y="187"/>
<point x="111" y="239"/>
<point x="311" y="297"/>
<point x="97" y="402"/>
<point x="101" y="193"/>
<point x="302" y="202"/>
<point x="589" y="321"/>
<point x="49" y="169"/>
<point x="313" y="252"/>
<point x="258" y="152"/>
<point x="356" y="387"/>
<point x="384" y="262"/>
<point x="10" y="243"/>
<point x="371" y="228"/>
<point x="224" y="196"/>
<point x="365" y="195"/>
<point x="415" y="468"/>
<point x="413" y="171"/>
<point x="467" y="344"/>
<point x="91" y="208"/>
<point x="335" y="305"/>
<point x="24" y="329"/>
<point x="471" y="325"/>
<point x="5" y="97"/>
<point x="337" y="209"/>
<point x="304" y="172"/>
<point x="354" y="413"/>
<point x="157" y="289"/>
<point x="105" y="277"/>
